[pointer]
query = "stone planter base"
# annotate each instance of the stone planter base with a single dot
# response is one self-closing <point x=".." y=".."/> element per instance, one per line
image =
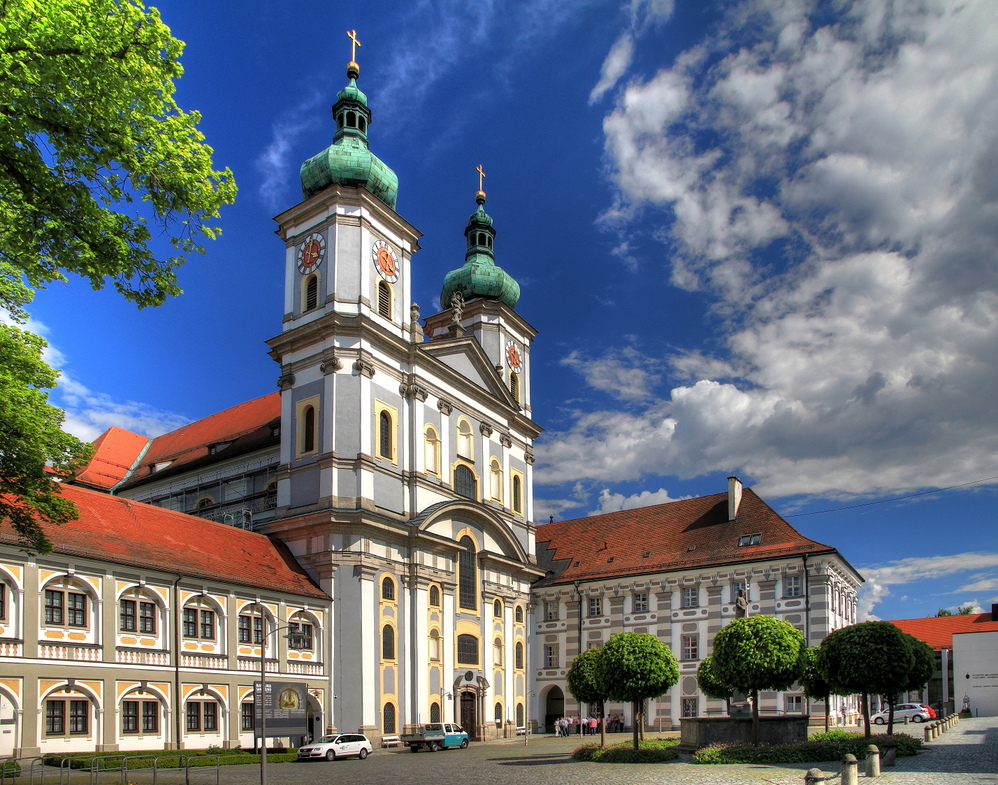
<point x="698" y="732"/>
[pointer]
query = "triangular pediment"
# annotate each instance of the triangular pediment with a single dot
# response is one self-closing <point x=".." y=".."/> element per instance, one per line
<point x="466" y="358"/>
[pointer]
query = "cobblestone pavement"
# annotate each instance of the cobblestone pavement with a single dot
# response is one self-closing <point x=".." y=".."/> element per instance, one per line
<point x="965" y="755"/>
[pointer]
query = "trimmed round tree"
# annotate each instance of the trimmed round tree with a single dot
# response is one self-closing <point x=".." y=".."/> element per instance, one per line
<point x="758" y="653"/>
<point x="711" y="684"/>
<point x="582" y="684"/>
<point x="871" y="658"/>
<point x="633" y="667"/>
<point x="816" y="686"/>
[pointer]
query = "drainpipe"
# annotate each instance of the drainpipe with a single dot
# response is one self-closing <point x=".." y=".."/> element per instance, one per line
<point x="807" y="603"/>
<point x="177" y="610"/>
<point x="578" y="591"/>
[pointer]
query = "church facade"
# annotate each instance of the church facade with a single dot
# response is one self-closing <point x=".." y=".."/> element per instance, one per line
<point x="379" y="504"/>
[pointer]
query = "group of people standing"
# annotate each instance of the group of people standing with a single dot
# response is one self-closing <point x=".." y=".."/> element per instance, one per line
<point x="587" y="726"/>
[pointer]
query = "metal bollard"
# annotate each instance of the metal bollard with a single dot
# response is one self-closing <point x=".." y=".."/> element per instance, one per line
<point x="814" y="776"/>
<point x="850" y="770"/>
<point x="927" y="733"/>
<point x="872" y="761"/>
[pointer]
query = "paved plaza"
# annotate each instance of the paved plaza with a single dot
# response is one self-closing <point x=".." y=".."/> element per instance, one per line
<point x="965" y="755"/>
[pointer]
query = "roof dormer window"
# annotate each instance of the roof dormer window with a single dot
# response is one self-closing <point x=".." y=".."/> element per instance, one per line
<point x="749" y="539"/>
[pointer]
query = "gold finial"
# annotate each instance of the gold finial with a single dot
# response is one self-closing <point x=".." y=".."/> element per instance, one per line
<point x="481" y="194"/>
<point x="354" y="43"/>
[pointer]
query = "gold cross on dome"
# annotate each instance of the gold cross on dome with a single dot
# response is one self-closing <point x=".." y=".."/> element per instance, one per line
<point x="354" y="43"/>
<point x="481" y="174"/>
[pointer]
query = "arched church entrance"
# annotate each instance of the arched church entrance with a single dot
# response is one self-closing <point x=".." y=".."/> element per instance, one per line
<point x="469" y="713"/>
<point x="554" y="707"/>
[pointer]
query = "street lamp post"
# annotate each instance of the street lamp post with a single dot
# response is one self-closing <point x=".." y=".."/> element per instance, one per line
<point x="294" y="638"/>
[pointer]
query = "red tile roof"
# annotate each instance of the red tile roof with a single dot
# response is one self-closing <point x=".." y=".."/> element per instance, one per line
<point x="246" y="426"/>
<point x="937" y="631"/>
<point x="690" y="533"/>
<point x="114" y="529"/>
<point x="116" y="453"/>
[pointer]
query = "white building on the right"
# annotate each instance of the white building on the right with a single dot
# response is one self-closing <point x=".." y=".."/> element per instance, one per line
<point x="675" y="570"/>
<point x="975" y="668"/>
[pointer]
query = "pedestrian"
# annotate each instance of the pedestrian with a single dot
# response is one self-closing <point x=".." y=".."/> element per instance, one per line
<point x="842" y="713"/>
<point x="593" y="723"/>
<point x="575" y="725"/>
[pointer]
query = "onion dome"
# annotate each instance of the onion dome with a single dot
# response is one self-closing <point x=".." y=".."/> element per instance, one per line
<point x="348" y="161"/>
<point x="480" y="277"/>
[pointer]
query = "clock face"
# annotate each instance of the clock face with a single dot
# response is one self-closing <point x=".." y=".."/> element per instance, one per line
<point x="386" y="261"/>
<point x="513" y="357"/>
<point x="310" y="253"/>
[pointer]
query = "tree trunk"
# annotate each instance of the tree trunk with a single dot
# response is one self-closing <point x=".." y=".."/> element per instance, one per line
<point x="754" y="697"/>
<point x="866" y="715"/>
<point x="637" y="719"/>
<point x="602" y="724"/>
<point x="828" y="702"/>
<point x="890" y="713"/>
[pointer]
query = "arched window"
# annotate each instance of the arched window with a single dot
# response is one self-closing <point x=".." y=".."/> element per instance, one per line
<point x="385" y="299"/>
<point x="467" y="650"/>
<point x="495" y="480"/>
<point x="385" y="435"/>
<point x="388" y="642"/>
<point x="514" y="386"/>
<point x="465" y="483"/>
<point x="518" y="614"/>
<point x="389" y="718"/>
<point x="137" y="612"/>
<point x="67" y="604"/>
<point x="518" y="656"/>
<point x="431" y="451"/>
<point x="311" y="292"/>
<point x="387" y="589"/>
<point x="519" y="715"/>
<point x="465" y="443"/>
<point x="308" y="426"/>
<point x="434" y="712"/>
<point x="497" y="609"/>
<point x="362" y="123"/>
<point x="435" y="642"/>
<point x="435" y="596"/>
<point x="498" y="712"/>
<point x="466" y="575"/>
<point x="351" y="120"/>
<point x="300" y="632"/>
<point x="517" y="494"/>
<point x="497" y="652"/>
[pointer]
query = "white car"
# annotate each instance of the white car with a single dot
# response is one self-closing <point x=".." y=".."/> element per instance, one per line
<point x="913" y="711"/>
<point x="341" y="745"/>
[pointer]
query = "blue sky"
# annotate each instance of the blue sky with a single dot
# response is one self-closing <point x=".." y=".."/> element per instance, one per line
<point x="755" y="237"/>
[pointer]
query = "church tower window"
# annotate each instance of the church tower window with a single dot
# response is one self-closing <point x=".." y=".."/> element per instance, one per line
<point x="385" y="299"/>
<point x="385" y="439"/>
<point x="311" y="293"/>
<point x="385" y="435"/>
<point x="388" y="589"/>
<point x="467" y="578"/>
<point x="514" y="386"/>
<point x="517" y="494"/>
<point x="388" y="642"/>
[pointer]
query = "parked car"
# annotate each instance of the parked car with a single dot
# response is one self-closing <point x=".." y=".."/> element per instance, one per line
<point x="340" y="745"/>
<point x="928" y="708"/>
<point x="913" y="711"/>
<point x="436" y="736"/>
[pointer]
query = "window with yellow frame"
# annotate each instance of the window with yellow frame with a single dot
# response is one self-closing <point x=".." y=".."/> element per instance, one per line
<point x="307" y="426"/>
<point x="386" y="432"/>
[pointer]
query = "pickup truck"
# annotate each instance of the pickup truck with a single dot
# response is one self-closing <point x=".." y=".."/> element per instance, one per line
<point x="436" y="736"/>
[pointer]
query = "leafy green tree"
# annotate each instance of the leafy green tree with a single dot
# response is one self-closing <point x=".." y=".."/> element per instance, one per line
<point x="711" y="684"/>
<point x="963" y="610"/>
<point x="94" y="147"/>
<point x="31" y="438"/>
<point x="93" y="152"/>
<point x="633" y="667"/>
<point x="871" y="658"/>
<point x="585" y="688"/>
<point x="758" y="653"/>
<point x="816" y="686"/>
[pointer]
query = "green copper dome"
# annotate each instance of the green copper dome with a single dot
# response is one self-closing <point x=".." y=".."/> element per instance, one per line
<point x="348" y="161"/>
<point x="480" y="277"/>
